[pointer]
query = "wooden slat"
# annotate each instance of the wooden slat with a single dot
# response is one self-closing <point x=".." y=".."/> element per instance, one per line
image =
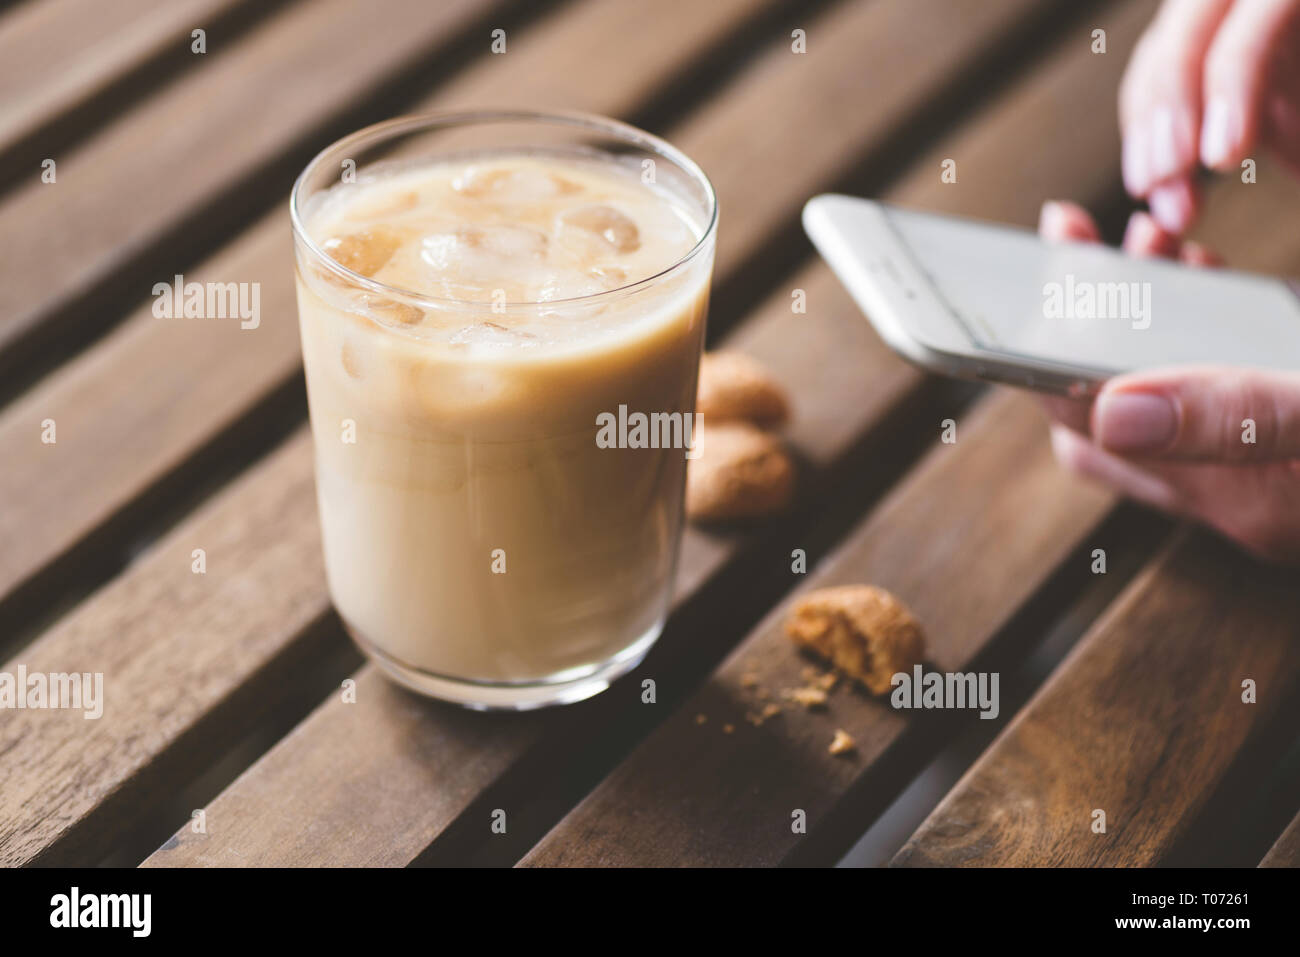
<point x="1285" y="852"/>
<point x="106" y="783"/>
<point x="964" y="541"/>
<point x="290" y="774"/>
<point x="136" y="182"/>
<point x="154" y="392"/>
<point x="1141" y="721"/>
<point x="57" y="55"/>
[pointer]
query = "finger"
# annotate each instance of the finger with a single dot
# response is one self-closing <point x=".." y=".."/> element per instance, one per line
<point x="1236" y="79"/>
<point x="1257" y="506"/>
<point x="1194" y="254"/>
<point x="1082" y="457"/>
<point x="1160" y="95"/>
<point x="1253" y="505"/>
<point x="1074" y="414"/>
<point x="1060" y="220"/>
<point x="1174" y="204"/>
<point x="1144" y="237"/>
<point x="1224" y="415"/>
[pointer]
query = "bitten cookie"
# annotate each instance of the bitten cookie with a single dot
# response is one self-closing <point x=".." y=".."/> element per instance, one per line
<point x="735" y="387"/>
<point x="863" y="631"/>
<point x="741" y="472"/>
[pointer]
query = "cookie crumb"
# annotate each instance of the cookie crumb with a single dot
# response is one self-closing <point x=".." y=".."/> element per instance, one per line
<point x="758" y="718"/>
<point x="749" y="680"/>
<point x="728" y="728"/>
<point x="701" y="718"/>
<point x="811" y="698"/>
<point x="842" y="743"/>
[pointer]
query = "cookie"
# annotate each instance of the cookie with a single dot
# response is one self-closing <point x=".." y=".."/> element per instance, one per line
<point x="863" y="631"/>
<point x="733" y="387"/>
<point x="842" y="743"/>
<point x="740" y="472"/>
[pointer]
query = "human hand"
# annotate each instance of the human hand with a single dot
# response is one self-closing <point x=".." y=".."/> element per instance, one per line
<point x="1209" y="82"/>
<point x="1174" y="438"/>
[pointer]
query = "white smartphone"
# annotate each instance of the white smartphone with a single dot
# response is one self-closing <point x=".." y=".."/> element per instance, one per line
<point x="986" y="301"/>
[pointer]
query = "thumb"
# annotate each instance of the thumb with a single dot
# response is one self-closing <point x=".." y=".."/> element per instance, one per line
<point x="1201" y="414"/>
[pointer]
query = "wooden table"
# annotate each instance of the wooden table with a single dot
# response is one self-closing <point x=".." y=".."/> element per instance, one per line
<point x="227" y="738"/>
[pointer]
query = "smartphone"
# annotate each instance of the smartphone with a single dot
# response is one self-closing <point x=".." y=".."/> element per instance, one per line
<point x="986" y="301"/>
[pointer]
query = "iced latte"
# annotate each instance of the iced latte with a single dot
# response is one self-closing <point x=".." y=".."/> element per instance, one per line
<point x="475" y="301"/>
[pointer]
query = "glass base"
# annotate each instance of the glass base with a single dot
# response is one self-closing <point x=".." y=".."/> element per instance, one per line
<point x="567" y="687"/>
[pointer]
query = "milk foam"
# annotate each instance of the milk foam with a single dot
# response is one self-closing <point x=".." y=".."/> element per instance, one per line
<point x="503" y="231"/>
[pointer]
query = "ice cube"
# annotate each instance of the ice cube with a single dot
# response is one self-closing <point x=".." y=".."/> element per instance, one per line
<point x="522" y="184"/>
<point x="616" y="229"/>
<point x="489" y="333"/>
<point x="471" y="262"/>
<point x="391" y="312"/>
<point x="474" y="251"/>
<point x="349" y="357"/>
<point x="365" y="252"/>
<point x="609" y="277"/>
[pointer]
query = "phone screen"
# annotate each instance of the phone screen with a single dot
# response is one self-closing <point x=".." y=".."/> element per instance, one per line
<point x="1089" y="305"/>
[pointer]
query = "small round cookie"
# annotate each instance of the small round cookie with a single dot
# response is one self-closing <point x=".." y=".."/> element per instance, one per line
<point x="740" y="472"/>
<point x="734" y="387"/>
<point x="863" y="631"/>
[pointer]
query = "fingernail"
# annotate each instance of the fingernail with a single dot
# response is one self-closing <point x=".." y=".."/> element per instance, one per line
<point x="1134" y="163"/>
<point x="1216" y="132"/>
<point x="1164" y="145"/>
<point x="1135" y="422"/>
<point x="1168" y="209"/>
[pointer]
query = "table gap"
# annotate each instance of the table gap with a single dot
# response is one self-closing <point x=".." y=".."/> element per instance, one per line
<point x="678" y="98"/>
<point x="1255" y="800"/>
<point x="36" y="605"/>
<point x="57" y="134"/>
<point x="336" y="659"/>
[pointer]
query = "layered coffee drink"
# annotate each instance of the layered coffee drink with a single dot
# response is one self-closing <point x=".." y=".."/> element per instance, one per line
<point x="472" y="322"/>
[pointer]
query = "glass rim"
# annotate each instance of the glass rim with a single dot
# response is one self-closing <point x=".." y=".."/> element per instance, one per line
<point x="415" y="122"/>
